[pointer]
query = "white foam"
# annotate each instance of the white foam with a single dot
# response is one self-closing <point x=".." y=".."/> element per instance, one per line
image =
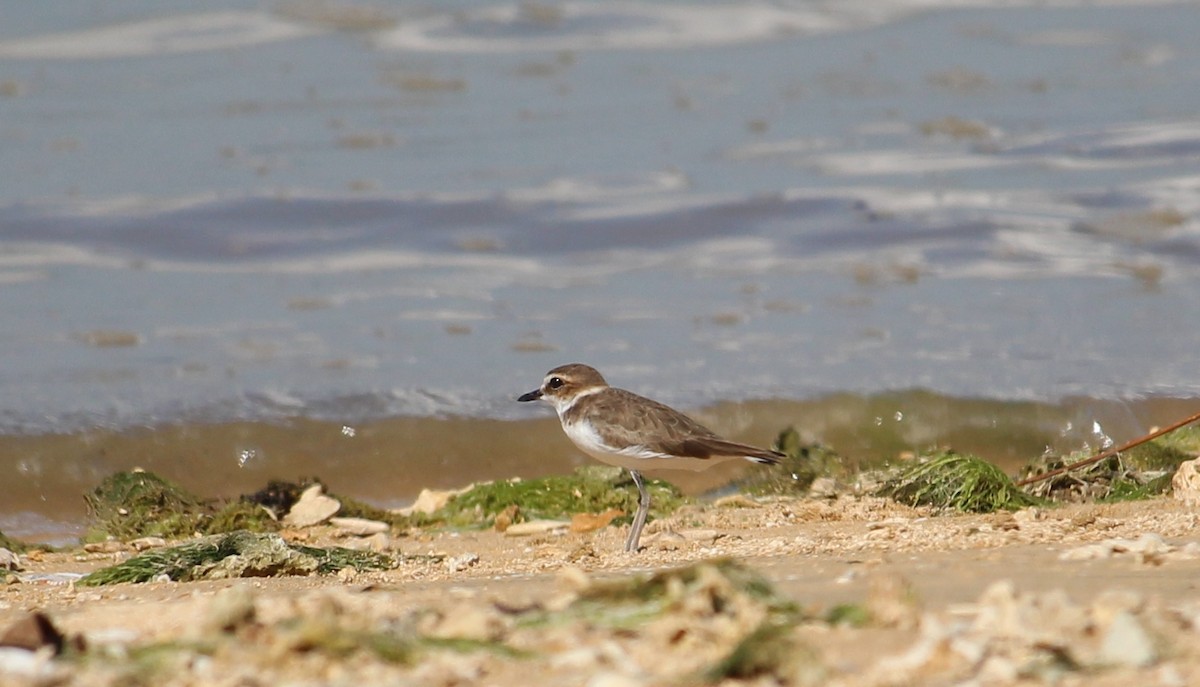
<point x="609" y="25"/>
<point x="166" y="36"/>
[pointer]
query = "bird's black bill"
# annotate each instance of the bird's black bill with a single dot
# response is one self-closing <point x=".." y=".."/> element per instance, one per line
<point x="531" y="396"/>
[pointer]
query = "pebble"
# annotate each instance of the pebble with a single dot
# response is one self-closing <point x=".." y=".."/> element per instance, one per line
<point x="430" y="500"/>
<point x="146" y="543"/>
<point x="823" y="487"/>
<point x="359" y="526"/>
<point x="587" y="522"/>
<point x="312" y="508"/>
<point x="461" y="562"/>
<point x="524" y="529"/>
<point x="9" y="560"/>
<point x="379" y="543"/>
<point x="1185" y="484"/>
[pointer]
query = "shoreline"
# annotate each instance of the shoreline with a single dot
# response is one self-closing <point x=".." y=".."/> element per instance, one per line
<point x="387" y="462"/>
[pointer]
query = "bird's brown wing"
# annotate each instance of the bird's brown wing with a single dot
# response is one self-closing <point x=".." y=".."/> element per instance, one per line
<point x="624" y="419"/>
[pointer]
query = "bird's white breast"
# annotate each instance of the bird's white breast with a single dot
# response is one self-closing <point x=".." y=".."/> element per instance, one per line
<point x="633" y="457"/>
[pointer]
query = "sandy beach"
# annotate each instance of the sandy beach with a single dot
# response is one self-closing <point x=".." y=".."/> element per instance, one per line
<point x="1030" y="597"/>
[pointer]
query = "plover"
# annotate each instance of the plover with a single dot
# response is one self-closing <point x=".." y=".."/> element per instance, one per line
<point x="620" y="428"/>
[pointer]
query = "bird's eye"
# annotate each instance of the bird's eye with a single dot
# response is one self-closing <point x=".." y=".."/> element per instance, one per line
<point x="555" y="383"/>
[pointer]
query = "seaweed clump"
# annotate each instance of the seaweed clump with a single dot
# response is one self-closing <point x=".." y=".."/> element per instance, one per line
<point x="591" y="489"/>
<point x="128" y="505"/>
<point x="7" y="542"/>
<point x="956" y="481"/>
<point x="236" y="554"/>
<point x="1142" y="472"/>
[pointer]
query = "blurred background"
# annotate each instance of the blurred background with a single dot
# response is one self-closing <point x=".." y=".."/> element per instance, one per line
<point x="245" y="239"/>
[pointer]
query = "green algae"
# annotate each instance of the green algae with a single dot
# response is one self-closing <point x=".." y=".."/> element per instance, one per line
<point x="955" y="481"/>
<point x="592" y="489"/>
<point x="236" y="554"/>
<point x="11" y="544"/>
<point x="242" y="515"/>
<point x="128" y="505"/>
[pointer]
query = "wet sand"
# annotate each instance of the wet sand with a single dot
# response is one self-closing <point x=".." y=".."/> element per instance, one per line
<point x="818" y="553"/>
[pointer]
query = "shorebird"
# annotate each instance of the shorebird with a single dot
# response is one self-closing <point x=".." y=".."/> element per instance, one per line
<point x="620" y="428"/>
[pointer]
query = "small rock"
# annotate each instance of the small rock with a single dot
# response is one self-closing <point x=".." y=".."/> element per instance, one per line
<point x="461" y="562"/>
<point x="312" y="508"/>
<point x="587" y="522"/>
<point x="9" y="560"/>
<point x="347" y="575"/>
<point x="704" y="536"/>
<point x="525" y="529"/>
<point x="33" y="632"/>
<point x="665" y="540"/>
<point x="1185" y="484"/>
<point x="430" y="500"/>
<point x="146" y="543"/>
<point x="379" y="543"/>
<point x="359" y="526"/>
<point x="823" y="487"/>
<point x="1126" y="643"/>
<point x="1027" y="515"/>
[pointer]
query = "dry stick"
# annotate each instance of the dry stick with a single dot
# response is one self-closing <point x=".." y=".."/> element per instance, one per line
<point x="1110" y="452"/>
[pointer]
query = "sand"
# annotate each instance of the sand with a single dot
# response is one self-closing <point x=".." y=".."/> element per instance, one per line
<point x="1065" y="594"/>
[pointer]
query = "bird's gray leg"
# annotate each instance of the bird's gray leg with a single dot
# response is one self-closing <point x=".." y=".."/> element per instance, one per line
<point x="639" y="520"/>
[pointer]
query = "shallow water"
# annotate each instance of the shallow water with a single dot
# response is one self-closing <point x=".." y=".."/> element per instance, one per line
<point x="325" y="215"/>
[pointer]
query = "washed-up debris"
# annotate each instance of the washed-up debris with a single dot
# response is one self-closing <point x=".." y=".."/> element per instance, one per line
<point x="312" y="508"/>
<point x="238" y="554"/>
<point x="1185" y="483"/>
<point x="956" y="481"/>
<point x="1137" y="469"/>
